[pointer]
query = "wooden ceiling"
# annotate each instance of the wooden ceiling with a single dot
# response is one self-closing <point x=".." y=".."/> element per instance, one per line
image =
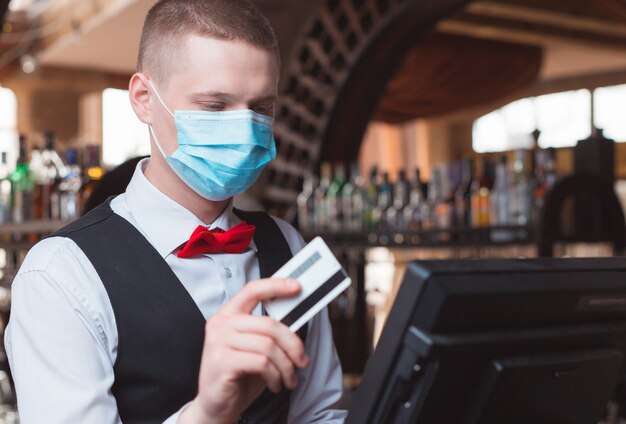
<point x="597" y="23"/>
<point x="500" y="48"/>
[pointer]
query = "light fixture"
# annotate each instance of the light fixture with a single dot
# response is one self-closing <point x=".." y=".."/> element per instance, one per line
<point x="29" y="63"/>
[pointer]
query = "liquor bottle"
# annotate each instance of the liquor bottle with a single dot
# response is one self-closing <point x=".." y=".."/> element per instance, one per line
<point x="500" y="201"/>
<point x="56" y="172"/>
<point x="345" y="201"/>
<point x="69" y="188"/>
<point x="462" y="196"/>
<point x="306" y="204"/>
<point x="321" y="205"/>
<point x="35" y="158"/>
<point x="404" y="187"/>
<point x="520" y="191"/>
<point x="429" y="206"/>
<point x="93" y="172"/>
<point x="545" y="178"/>
<point x="427" y="210"/>
<point x="352" y="200"/>
<point x="384" y="202"/>
<point x="48" y="169"/>
<point x="500" y="214"/>
<point x="442" y="201"/>
<point x="37" y="169"/>
<point x="359" y="200"/>
<point x="436" y="209"/>
<point x="481" y="191"/>
<point x="22" y="187"/>
<point x="394" y="216"/>
<point x="371" y="200"/>
<point x="550" y="168"/>
<point x="334" y="197"/>
<point x="416" y="182"/>
<point x="412" y="213"/>
<point x="5" y="189"/>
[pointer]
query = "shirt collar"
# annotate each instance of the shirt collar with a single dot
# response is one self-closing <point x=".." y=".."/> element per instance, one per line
<point x="165" y="223"/>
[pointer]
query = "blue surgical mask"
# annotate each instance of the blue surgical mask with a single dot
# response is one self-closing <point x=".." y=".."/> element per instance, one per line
<point x="220" y="154"/>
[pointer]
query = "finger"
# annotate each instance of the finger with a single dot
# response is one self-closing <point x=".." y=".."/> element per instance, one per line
<point x="266" y="346"/>
<point x="287" y="340"/>
<point x="256" y="291"/>
<point x="248" y="363"/>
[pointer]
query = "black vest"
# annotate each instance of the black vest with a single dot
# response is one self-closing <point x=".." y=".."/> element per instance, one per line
<point x="160" y="328"/>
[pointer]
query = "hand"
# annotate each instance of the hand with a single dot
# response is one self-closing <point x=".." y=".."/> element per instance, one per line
<point x="244" y="354"/>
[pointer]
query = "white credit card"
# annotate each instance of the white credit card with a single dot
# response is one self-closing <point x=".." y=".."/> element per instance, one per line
<point x="322" y="279"/>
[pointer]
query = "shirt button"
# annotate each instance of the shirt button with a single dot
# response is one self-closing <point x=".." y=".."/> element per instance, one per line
<point x="229" y="273"/>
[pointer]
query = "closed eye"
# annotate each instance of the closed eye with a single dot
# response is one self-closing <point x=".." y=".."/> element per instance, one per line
<point x="264" y="109"/>
<point x="213" y="106"/>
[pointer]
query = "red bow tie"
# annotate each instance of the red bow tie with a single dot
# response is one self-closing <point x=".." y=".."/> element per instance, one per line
<point x="202" y="240"/>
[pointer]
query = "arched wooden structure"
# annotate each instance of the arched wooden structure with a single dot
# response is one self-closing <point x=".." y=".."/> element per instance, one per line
<point x="339" y="70"/>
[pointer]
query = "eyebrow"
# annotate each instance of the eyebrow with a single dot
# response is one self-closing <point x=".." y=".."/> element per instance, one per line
<point x="227" y="96"/>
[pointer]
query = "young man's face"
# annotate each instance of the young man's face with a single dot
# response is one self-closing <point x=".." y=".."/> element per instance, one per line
<point x="213" y="75"/>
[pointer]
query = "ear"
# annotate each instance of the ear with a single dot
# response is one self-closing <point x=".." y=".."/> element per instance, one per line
<point x="140" y="94"/>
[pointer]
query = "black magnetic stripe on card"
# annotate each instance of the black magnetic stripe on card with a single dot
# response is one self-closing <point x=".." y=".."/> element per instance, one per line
<point x="304" y="266"/>
<point x="314" y="297"/>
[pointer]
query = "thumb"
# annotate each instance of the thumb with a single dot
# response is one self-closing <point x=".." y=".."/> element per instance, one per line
<point x="256" y="291"/>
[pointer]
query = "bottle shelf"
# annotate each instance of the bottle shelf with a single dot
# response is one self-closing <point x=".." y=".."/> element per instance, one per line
<point x="475" y="237"/>
<point x="38" y="227"/>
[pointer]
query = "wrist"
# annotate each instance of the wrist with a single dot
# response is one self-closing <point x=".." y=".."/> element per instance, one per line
<point x="194" y="413"/>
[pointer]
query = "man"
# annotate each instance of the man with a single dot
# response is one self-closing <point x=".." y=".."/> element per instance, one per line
<point x="119" y="318"/>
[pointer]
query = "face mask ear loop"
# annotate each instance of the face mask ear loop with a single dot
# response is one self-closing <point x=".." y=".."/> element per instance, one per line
<point x="160" y="99"/>
<point x="156" y="141"/>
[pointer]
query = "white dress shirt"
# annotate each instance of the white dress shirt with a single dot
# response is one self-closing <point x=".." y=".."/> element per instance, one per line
<point x="62" y="338"/>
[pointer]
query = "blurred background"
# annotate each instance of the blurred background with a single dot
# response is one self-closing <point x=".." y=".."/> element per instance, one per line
<point x="405" y="129"/>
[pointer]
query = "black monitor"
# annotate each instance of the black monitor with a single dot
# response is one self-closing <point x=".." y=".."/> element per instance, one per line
<point x="499" y="341"/>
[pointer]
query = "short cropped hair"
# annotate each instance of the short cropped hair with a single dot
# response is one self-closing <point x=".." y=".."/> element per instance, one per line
<point x="168" y="21"/>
